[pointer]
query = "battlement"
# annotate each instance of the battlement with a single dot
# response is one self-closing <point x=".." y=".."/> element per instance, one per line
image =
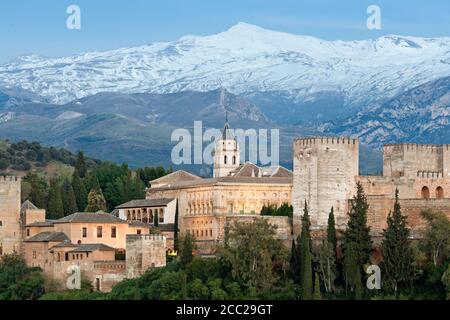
<point x="14" y="179"/>
<point x="430" y="174"/>
<point x="147" y="237"/>
<point x="325" y="140"/>
<point x="431" y="148"/>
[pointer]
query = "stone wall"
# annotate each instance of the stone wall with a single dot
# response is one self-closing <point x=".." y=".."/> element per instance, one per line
<point x="144" y="252"/>
<point x="10" y="228"/>
<point x="324" y="176"/>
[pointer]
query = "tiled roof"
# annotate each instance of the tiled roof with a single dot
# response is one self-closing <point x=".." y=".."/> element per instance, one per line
<point x="145" y="203"/>
<point x="92" y="247"/>
<point x="28" y="205"/>
<point x="46" y="223"/>
<point x="167" y="227"/>
<point x="174" y="177"/>
<point x="90" y="217"/>
<point x="65" y="244"/>
<point x="48" y="237"/>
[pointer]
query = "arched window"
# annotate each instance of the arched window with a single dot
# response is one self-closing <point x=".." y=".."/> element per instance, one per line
<point x="439" y="193"/>
<point x="225" y="160"/>
<point x="234" y="159"/>
<point x="425" y="193"/>
<point x="150" y="216"/>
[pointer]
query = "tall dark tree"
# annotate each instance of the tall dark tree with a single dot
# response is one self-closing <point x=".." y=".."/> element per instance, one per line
<point x="331" y="231"/>
<point x="396" y="248"/>
<point x="68" y="198"/>
<point x="80" y="191"/>
<point x="55" y="207"/>
<point x="176" y="231"/>
<point x="294" y="261"/>
<point x="305" y="256"/>
<point x="39" y="190"/>
<point x="96" y="201"/>
<point x="358" y="233"/>
<point x="80" y="165"/>
<point x="186" y="249"/>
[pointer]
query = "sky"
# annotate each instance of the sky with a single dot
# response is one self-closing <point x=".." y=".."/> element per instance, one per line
<point x="39" y="26"/>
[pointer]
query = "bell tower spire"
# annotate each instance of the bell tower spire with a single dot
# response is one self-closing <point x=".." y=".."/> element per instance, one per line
<point x="226" y="154"/>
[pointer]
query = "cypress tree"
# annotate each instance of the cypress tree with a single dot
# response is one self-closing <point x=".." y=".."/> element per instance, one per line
<point x="175" y="234"/>
<point x="305" y="256"/>
<point x="69" y="200"/>
<point x="331" y="231"/>
<point x="317" y="294"/>
<point x="55" y="208"/>
<point x="80" y="191"/>
<point x="294" y="263"/>
<point x="96" y="201"/>
<point x="80" y="165"/>
<point x="358" y="233"/>
<point x="396" y="249"/>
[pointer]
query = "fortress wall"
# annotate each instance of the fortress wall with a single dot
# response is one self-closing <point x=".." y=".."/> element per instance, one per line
<point x="10" y="228"/>
<point x="324" y="176"/>
<point x="407" y="159"/>
<point x="144" y="251"/>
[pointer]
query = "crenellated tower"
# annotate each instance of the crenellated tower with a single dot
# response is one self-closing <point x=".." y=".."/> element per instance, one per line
<point x="324" y="175"/>
<point x="10" y="228"/>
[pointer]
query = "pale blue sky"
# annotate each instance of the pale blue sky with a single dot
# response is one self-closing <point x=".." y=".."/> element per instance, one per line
<point x="39" y="26"/>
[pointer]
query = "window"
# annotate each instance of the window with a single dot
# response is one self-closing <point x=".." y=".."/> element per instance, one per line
<point x="28" y="232"/>
<point x="234" y="159"/>
<point x="139" y="231"/>
<point x="425" y="193"/>
<point x="161" y="216"/>
<point x="225" y="160"/>
<point x="1" y="250"/>
<point x="113" y="232"/>
<point x="84" y="232"/>
<point x="34" y="254"/>
<point x="99" y="232"/>
<point x="1" y="223"/>
<point x="439" y="193"/>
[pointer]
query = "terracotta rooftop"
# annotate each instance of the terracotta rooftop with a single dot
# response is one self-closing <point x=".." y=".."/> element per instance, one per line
<point x="48" y="237"/>
<point x="174" y="177"/>
<point x="92" y="247"/>
<point x="90" y="217"/>
<point x="46" y="223"/>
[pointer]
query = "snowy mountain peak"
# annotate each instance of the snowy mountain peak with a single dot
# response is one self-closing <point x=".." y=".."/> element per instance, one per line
<point x="244" y="59"/>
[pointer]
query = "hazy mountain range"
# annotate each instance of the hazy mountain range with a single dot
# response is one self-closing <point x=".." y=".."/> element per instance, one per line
<point x="123" y="104"/>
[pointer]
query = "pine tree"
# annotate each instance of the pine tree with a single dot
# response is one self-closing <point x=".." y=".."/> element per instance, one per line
<point x="305" y="256"/>
<point x="96" y="201"/>
<point x="396" y="249"/>
<point x="187" y="246"/>
<point x="294" y="263"/>
<point x="176" y="231"/>
<point x="55" y="208"/>
<point x="317" y="294"/>
<point x="331" y="231"/>
<point x="38" y="193"/>
<point x="357" y="232"/>
<point x="68" y="198"/>
<point x="80" y="191"/>
<point x="80" y="165"/>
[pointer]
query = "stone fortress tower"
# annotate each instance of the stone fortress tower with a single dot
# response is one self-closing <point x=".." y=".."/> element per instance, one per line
<point x="10" y="228"/>
<point x="226" y="154"/>
<point x="325" y="169"/>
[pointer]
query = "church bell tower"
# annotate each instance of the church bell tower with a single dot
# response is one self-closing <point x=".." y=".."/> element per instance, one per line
<point x="226" y="154"/>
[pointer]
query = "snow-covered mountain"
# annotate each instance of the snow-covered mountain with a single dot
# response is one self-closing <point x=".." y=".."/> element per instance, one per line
<point x="246" y="60"/>
<point x="420" y="115"/>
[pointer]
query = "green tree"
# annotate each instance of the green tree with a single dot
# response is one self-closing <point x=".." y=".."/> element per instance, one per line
<point x="446" y="281"/>
<point x="55" y="207"/>
<point x="96" y="201"/>
<point x="396" y="249"/>
<point x="357" y="233"/>
<point x="254" y="254"/>
<point x="317" y="294"/>
<point x="80" y="192"/>
<point x="176" y="231"/>
<point x="305" y="255"/>
<point x="327" y="264"/>
<point x="69" y="199"/>
<point x="436" y="237"/>
<point x="39" y="189"/>
<point x="17" y="281"/>
<point x="352" y="271"/>
<point x="80" y="165"/>
<point x="186" y="249"/>
<point x="331" y="231"/>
